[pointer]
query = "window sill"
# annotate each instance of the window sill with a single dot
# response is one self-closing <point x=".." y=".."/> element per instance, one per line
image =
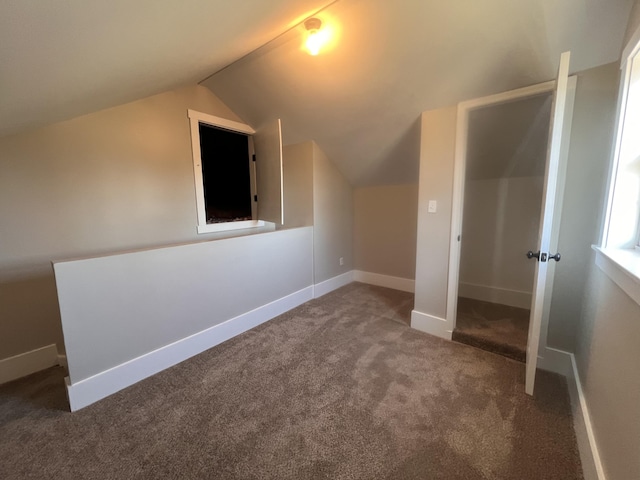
<point x="622" y="266"/>
<point x="224" y="227"/>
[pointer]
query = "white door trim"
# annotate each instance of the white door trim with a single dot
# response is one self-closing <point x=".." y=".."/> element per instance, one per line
<point x="459" y="169"/>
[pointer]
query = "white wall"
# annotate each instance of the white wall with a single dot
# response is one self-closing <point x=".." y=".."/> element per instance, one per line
<point x="119" y="307"/>
<point x="385" y="226"/>
<point x="114" y="180"/>
<point x="500" y="223"/>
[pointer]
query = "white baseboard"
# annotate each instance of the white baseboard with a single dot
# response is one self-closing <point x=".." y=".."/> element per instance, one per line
<point x="322" y="288"/>
<point x="397" y="283"/>
<point x="429" y="324"/>
<point x="97" y="387"/>
<point x="27" y="363"/>
<point x="564" y="363"/>
<point x="503" y="296"/>
<point x="62" y="361"/>
<point x="556" y="361"/>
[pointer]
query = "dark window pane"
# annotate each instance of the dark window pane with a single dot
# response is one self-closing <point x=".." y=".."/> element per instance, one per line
<point x="225" y="173"/>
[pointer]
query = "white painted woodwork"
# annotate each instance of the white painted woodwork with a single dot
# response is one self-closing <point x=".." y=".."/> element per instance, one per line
<point x="553" y="189"/>
<point x="504" y="296"/>
<point x="557" y="211"/>
<point x="388" y="281"/>
<point x="564" y="363"/>
<point x="267" y="142"/>
<point x="27" y="363"/>
<point x="195" y="119"/>
<point x="220" y="122"/>
<point x="540" y="296"/>
<point x="266" y="172"/>
<point x="623" y="267"/>
<point x="322" y="288"/>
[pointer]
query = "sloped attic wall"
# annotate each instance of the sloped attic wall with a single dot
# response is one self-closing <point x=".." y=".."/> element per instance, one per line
<point x="115" y="180"/>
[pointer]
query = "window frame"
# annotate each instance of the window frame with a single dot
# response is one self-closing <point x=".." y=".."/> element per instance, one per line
<point x="195" y="119"/>
<point x="620" y="260"/>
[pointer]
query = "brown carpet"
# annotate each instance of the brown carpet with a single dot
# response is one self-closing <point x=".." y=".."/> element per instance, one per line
<point x="338" y="388"/>
<point x="493" y="327"/>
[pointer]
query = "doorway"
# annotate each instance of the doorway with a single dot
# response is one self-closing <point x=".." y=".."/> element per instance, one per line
<point x="503" y="187"/>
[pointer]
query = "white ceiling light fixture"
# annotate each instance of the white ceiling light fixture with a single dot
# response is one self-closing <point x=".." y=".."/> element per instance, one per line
<point x="316" y="37"/>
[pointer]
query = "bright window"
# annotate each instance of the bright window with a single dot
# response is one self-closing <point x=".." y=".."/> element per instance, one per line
<point x="621" y="228"/>
<point x="619" y="253"/>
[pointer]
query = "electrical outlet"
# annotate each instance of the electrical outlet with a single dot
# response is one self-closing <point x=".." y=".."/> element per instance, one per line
<point x="341" y="260"/>
<point x="433" y="206"/>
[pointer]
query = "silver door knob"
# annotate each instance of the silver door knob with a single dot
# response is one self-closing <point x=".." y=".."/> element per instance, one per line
<point x="555" y="257"/>
<point x="536" y="255"/>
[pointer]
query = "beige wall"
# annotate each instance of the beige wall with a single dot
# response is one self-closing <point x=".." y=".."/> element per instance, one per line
<point x="607" y="333"/>
<point x="437" y="148"/>
<point x="500" y="223"/>
<point x="583" y="202"/>
<point x="385" y="224"/>
<point x="608" y="356"/>
<point x="332" y="218"/>
<point x="316" y="193"/>
<point x="297" y="166"/>
<point x="114" y="180"/>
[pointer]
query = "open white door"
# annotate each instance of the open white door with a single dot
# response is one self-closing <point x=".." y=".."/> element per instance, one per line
<point x="267" y="142"/>
<point x="539" y="299"/>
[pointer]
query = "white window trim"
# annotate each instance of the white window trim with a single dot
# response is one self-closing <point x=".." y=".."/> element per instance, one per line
<point x="196" y="118"/>
<point x="621" y="265"/>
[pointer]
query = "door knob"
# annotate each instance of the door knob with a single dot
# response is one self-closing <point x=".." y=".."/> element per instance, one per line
<point x="555" y="257"/>
<point x="530" y="254"/>
<point x="541" y="257"/>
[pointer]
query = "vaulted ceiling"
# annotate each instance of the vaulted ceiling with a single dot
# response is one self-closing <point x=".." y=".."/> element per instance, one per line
<point x="64" y="58"/>
<point x="360" y="100"/>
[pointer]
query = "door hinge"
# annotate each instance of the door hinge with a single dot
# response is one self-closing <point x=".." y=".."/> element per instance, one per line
<point x="254" y="157"/>
<point x="255" y="198"/>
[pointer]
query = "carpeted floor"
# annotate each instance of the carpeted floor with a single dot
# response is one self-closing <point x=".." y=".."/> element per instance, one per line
<point x="338" y="388"/>
<point x="493" y="327"/>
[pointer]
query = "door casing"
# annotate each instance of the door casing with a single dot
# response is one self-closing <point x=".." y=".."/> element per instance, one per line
<point x="462" y="131"/>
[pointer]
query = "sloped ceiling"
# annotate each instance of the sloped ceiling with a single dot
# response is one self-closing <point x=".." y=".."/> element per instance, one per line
<point x="360" y="101"/>
<point x="509" y="140"/>
<point x="64" y="58"/>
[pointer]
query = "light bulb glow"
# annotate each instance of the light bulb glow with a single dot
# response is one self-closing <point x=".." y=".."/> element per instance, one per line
<point x="314" y="42"/>
<point x="318" y="35"/>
